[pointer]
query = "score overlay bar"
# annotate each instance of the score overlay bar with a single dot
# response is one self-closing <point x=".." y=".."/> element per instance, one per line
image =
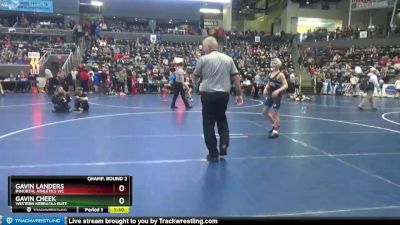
<point x="67" y="192"/>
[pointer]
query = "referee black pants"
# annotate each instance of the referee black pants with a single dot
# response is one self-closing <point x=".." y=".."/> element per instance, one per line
<point x="214" y="108"/>
<point x="178" y="88"/>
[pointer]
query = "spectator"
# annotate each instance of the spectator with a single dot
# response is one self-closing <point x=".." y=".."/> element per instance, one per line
<point x="292" y="81"/>
<point x="371" y="85"/>
<point x="50" y="82"/>
<point x="22" y="83"/>
<point x="395" y="60"/>
<point x="220" y="35"/>
<point x="122" y="76"/>
<point x="354" y="81"/>
<point x="81" y="101"/>
<point x="84" y="79"/>
<point x="61" y="100"/>
<point x="69" y="83"/>
<point x="397" y="86"/>
<point x="381" y="83"/>
<point x="1" y="89"/>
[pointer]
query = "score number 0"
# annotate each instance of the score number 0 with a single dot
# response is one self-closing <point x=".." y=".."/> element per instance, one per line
<point x="121" y="200"/>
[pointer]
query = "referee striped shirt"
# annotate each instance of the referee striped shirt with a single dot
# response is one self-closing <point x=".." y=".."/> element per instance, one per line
<point x="216" y="70"/>
<point x="179" y="75"/>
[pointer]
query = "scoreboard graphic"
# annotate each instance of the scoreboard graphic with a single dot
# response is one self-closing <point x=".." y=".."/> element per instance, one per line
<point x="70" y="194"/>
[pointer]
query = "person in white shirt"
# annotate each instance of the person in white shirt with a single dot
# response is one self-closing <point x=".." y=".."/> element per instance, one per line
<point x="397" y="86"/>
<point x="165" y="62"/>
<point x="358" y="71"/>
<point x="292" y="81"/>
<point x="381" y="83"/>
<point x="372" y="84"/>
<point x="256" y="85"/>
<point x="104" y="26"/>
<point x="50" y="82"/>
<point x="354" y="81"/>
<point x="1" y="89"/>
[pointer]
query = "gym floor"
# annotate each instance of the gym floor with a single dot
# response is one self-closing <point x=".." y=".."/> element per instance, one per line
<point x="331" y="160"/>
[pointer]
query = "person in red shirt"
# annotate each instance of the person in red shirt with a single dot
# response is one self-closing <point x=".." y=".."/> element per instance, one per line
<point x="383" y="61"/>
<point x="134" y="82"/>
<point x="84" y="78"/>
<point x="117" y="56"/>
<point x="7" y="43"/>
<point x="220" y="35"/>
<point x="60" y="41"/>
<point x="313" y="70"/>
<point x="395" y="60"/>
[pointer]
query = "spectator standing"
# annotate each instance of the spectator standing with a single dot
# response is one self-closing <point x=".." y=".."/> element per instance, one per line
<point x="354" y="81"/>
<point x="84" y="79"/>
<point x="292" y="81"/>
<point x="397" y="86"/>
<point x="372" y="84"/>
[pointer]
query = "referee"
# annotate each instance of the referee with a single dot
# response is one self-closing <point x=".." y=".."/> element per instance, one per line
<point x="178" y="86"/>
<point x="216" y="71"/>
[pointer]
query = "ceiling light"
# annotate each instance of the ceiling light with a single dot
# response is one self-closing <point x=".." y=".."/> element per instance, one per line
<point x="96" y="3"/>
<point x="215" y="1"/>
<point x="211" y="11"/>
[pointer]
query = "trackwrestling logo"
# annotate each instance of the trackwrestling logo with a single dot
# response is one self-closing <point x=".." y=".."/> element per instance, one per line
<point x="32" y="220"/>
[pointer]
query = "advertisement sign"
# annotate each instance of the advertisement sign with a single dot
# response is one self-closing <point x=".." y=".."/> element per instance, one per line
<point x="389" y="90"/>
<point x="153" y="38"/>
<point x="35" y="57"/>
<point x="371" y="4"/>
<point x="363" y="34"/>
<point x="44" y="6"/>
<point x="210" y="23"/>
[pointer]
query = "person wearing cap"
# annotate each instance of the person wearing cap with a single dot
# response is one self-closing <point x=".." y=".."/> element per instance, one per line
<point x="179" y="84"/>
<point x="372" y="84"/>
<point x="216" y="70"/>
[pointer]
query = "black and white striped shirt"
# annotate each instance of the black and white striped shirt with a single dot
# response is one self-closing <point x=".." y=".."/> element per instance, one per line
<point x="179" y="76"/>
<point x="216" y="70"/>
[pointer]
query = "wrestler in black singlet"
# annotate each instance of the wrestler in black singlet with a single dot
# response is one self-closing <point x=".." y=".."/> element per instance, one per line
<point x="274" y="84"/>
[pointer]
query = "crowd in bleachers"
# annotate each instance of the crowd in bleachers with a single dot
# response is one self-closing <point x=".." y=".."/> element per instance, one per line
<point x="339" y="64"/>
<point x="139" y="66"/>
<point x="15" y="51"/>
<point x="347" y="32"/>
<point x="23" y="21"/>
